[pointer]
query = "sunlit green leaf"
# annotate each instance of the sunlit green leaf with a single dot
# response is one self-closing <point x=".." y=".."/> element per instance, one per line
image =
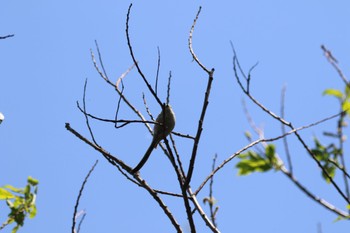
<point x="333" y="92"/>
<point x="4" y="194"/>
<point x="32" y="181"/>
<point x="346" y="107"/>
<point x="347" y="91"/>
<point x="253" y="162"/>
<point x="32" y="211"/>
<point x="15" y="229"/>
<point x="248" y="135"/>
<point x="16" y="190"/>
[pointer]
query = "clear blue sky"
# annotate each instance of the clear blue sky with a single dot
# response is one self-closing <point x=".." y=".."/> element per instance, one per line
<point x="42" y="74"/>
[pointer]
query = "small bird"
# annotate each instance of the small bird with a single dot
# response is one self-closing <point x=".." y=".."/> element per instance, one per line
<point x="165" y="124"/>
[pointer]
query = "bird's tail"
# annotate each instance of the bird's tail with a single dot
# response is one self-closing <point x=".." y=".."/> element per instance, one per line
<point x="144" y="158"/>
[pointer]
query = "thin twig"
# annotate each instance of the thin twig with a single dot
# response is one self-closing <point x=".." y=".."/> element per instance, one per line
<point x="340" y="167"/>
<point x="319" y="200"/>
<point x="134" y="59"/>
<point x="100" y="59"/>
<point x="289" y="124"/>
<point x="125" y="122"/>
<point x="7" y="36"/>
<point x="252" y="124"/>
<point x="86" y="117"/>
<point x="211" y="197"/>
<point x="158" y="68"/>
<point x="81" y="222"/>
<point x="168" y="193"/>
<point x="205" y="104"/>
<point x="146" y="107"/>
<point x="113" y="160"/>
<point x="117" y="162"/>
<point x="155" y="196"/>
<point x="255" y="143"/>
<point x="199" y="129"/>
<point x="168" y="89"/>
<point x="181" y="179"/>
<point x="79" y="196"/>
<point x="340" y="126"/>
<point x="190" y="42"/>
<point x="177" y="157"/>
<point x="334" y="62"/>
<point x="201" y="212"/>
<point x="283" y="127"/>
<point x="132" y="107"/>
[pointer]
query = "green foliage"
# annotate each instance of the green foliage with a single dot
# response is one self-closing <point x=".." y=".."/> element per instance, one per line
<point x="328" y="156"/>
<point x="21" y="202"/>
<point x="343" y="97"/>
<point x="258" y="162"/>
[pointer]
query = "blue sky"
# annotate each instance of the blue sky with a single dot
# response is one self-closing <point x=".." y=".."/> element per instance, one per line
<point x="43" y="69"/>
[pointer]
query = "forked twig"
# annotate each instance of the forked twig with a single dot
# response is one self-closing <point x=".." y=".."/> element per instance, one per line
<point x="134" y="59"/>
<point x="190" y="42"/>
<point x="288" y="124"/>
<point x="79" y="196"/>
<point x="204" y="108"/>
<point x="117" y="162"/>
<point x="252" y="144"/>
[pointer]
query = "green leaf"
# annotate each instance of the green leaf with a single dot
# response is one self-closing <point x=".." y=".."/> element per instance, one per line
<point x="333" y="92"/>
<point x="16" y="190"/>
<point x="32" y="181"/>
<point x="270" y="152"/>
<point x="347" y="92"/>
<point x="4" y="194"/>
<point x="15" y="229"/>
<point x="252" y="162"/>
<point x="346" y="107"/>
<point x="33" y="211"/>
<point x="248" y="135"/>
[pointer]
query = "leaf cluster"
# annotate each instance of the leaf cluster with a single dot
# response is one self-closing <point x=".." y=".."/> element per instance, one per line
<point x="258" y="161"/>
<point x="21" y="202"/>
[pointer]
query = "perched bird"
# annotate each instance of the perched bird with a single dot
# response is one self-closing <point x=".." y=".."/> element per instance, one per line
<point x="165" y="123"/>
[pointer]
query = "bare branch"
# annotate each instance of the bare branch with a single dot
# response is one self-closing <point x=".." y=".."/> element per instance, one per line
<point x="181" y="179"/>
<point x="168" y="89"/>
<point x="113" y="160"/>
<point x="117" y="162"/>
<point x="190" y="43"/>
<point x="289" y="124"/>
<point x="133" y="108"/>
<point x="319" y="200"/>
<point x="283" y="127"/>
<point x="81" y="221"/>
<point x="100" y="59"/>
<point x="155" y="196"/>
<point x="211" y="197"/>
<point x="79" y="196"/>
<point x="86" y="117"/>
<point x="7" y="36"/>
<point x="158" y="68"/>
<point x="293" y="131"/>
<point x="331" y="59"/>
<point x="135" y="61"/>
<point x="205" y="103"/>
<point x="201" y="212"/>
<point x="178" y="157"/>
